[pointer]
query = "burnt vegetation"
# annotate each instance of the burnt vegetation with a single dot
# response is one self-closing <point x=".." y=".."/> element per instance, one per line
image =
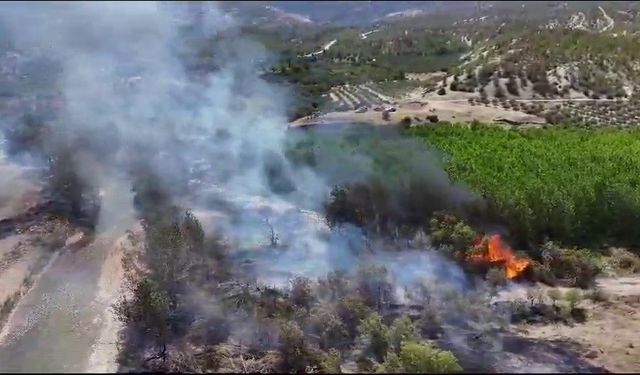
<point x="190" y="310"/>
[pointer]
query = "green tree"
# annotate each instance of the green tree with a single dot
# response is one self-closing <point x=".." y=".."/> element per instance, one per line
<point x="376" y="335"/>
<point x="417" y="358"/>
<point x="293" y="350"/>
<point x="420" y="358"/>
<point x="402" y="330"/>
<point x="352" y="309"/>
<point x="149" y="311"/>
<point x="331" y="362"/>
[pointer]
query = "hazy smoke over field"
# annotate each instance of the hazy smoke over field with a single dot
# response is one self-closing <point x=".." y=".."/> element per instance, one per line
<point x="137" y="99"/>
<point x="133" y="99"/>
<point x="214" y="138"/>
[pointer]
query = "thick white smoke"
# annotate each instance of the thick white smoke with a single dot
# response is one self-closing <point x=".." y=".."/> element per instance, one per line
<point x="128" y="96"/>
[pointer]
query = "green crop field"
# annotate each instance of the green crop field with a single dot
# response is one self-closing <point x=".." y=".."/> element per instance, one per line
<point x="576" y="186"/>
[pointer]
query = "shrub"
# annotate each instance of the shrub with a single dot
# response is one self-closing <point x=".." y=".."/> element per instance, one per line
<point x="541" y="272"/>
<point x="330" y="330"/>
<point x="7" y="306"/>
<point x="405" y="122"/>
<point x="376" y="336"/>
<point x="554" y="117"/>
<point x="365" y="364"/>
<point x="599" y="295"/>
<point x="352" y="309"/>
<point x="535" y="295"/>
<point x="331" y="362"/>
<point x="441" y="91"/>
<point x="573" y="297"/>
<point x="273" y="303"/>
<point x="401" y="330"/>
<point x="624" y="261"/>
<point x="554" y="294"/>
<point x="512" y="86"/>
<point x="420" y="358"/>
<point x="572" y="264"/>
<point x="334" y="286"/>
<point x="148" y="311"/>
<point x="520" y="309"/>
<point x="430" y="323"/>
<point x="564" y="311"/>
<point x="447" y="229"/>
<point x="391" y="365"/>
<point x="301" y="294"/>
<point x="293" y="351"/>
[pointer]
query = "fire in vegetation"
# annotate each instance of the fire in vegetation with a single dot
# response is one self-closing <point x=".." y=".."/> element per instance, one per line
<point x="499" y="252"/>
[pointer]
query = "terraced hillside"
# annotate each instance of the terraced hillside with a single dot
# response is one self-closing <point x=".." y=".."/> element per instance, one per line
<point x="350" y="97"/>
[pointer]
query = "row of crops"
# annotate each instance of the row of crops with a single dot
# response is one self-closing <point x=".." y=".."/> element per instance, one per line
<point x="345" y="98"/>
<point x="577" y="186"/>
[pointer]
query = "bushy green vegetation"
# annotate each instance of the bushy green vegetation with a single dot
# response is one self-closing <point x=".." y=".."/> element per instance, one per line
<point x="421" y="358"/>
<point x="564" y="184"/>
<point x="398" y="349"/>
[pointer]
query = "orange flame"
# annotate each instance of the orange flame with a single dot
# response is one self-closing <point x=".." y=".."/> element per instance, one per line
<point x="499" y="252"/>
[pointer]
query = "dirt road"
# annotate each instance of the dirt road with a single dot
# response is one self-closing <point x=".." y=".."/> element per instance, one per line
<point x="445" y="110"/>
<point x="58" y="325"/>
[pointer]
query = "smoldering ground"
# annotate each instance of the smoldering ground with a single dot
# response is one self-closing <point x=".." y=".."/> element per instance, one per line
<point x="215" y="141"/>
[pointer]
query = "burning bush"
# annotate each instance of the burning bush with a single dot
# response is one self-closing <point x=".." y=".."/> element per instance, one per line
<point x="497" y="252"/>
